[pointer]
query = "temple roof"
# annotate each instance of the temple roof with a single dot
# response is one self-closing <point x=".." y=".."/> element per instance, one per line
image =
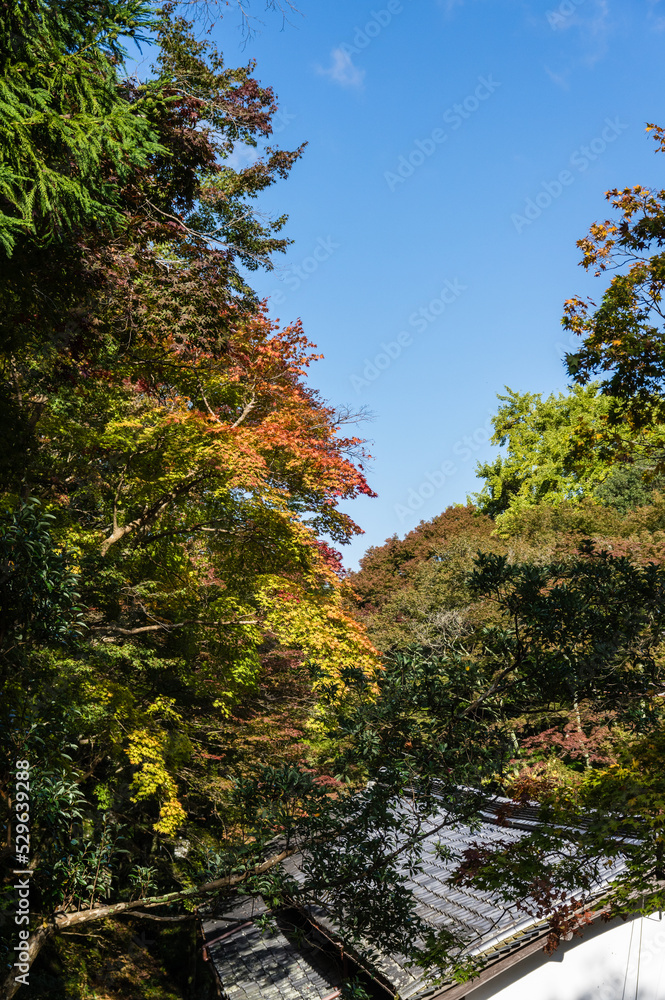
<point x="251" y="965"/>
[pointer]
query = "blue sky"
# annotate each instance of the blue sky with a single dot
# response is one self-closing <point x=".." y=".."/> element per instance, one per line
<point x="457" y="150"/>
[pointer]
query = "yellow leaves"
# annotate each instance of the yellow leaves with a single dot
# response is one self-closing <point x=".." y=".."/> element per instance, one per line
<point x="145" y="751"/>
<point x="171" y="818"/>
<point x="658" y="134"/>
<point x="318" y="624"/>
<point x="104" y="694"/>
<point x="152" y="779"/>
<point x="600" y="231"/>
<point x="163" y="708"/>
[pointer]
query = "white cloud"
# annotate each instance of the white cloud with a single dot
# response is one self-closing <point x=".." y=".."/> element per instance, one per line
<point x="560" y="79"/>
<point x="342" y="70"/>
<point x="591" y="19"/>
<point x="242" y="156"/>
<point x="449" y="5"/>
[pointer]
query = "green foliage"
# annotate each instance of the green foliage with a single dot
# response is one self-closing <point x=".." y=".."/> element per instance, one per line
<point x="38" y="591"/>
<point x="353" y="989"/>
<point x="558" y="451"/>
<point x="626" y="487"/>
<point x="69" y="130"/>
<point x="141" y="879"/>
<point x="584" y="628"/>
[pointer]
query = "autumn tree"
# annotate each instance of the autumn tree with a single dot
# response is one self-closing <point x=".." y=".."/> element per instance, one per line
<point x="193" y="489"/>
<point x="411" y="591"/>
<point x="174" y="461"/>
<point x="622" y="338"/>
<point x="597" y="769"/>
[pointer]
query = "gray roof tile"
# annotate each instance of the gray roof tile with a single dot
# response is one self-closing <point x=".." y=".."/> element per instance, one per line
<point x="253" y="966"/>
<point x="485" y="924"/>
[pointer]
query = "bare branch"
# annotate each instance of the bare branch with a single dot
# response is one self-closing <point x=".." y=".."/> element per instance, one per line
<point x="150" y="513"/>
<point x="207" y="526"/>
<point x="216" y="236"/>
<point x="346" y="414"/>
<point x="245" y="413"/>
<point x="170" y="626"/>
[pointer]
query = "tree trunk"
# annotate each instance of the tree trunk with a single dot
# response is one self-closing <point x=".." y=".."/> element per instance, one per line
<point x="64" y="921"/>
<point x="35" y="945"/>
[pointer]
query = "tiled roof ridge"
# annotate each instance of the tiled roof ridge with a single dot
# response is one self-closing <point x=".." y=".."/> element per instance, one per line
<point x="495" y="808"/>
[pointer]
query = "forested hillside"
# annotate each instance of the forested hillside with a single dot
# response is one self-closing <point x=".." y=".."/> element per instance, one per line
<point x="193" y="687"/>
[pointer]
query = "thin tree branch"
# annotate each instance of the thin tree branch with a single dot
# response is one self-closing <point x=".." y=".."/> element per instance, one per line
<point x="206" y="526"/>
<point x="150" y="513"/>
<point x="170" y="626"/>
<point x="245" y="413"/>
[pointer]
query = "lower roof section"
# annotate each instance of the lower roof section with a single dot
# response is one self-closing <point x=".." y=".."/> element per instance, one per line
<point x="253" y="963"/>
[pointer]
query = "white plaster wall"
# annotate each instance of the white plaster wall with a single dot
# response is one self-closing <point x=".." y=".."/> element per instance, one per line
<point x="615" y="961"/>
